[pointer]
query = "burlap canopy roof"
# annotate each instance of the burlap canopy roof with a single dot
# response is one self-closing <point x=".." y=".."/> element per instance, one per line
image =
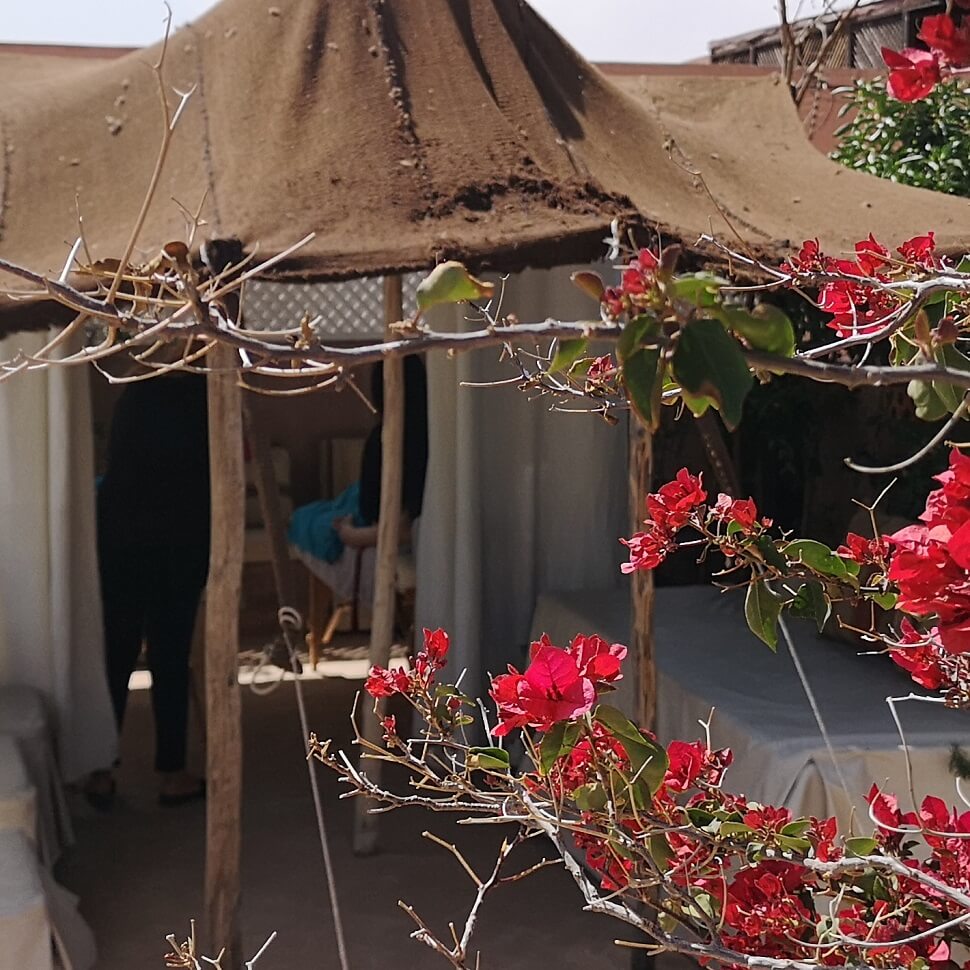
<point x="405" y="131"/>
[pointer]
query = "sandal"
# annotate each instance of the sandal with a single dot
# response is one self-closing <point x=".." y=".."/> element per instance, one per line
<point x="100" y="790"/>
<point x="182" y="798"/>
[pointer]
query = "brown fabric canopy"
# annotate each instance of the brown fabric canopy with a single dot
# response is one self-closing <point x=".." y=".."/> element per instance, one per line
<point x="405" y="131"/>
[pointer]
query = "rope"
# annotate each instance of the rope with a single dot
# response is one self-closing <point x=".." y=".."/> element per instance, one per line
<point x="816" y="710"/>
<point x="290" y="624"/>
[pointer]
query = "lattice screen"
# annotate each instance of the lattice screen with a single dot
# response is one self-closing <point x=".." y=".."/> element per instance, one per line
<point x="351" y="311"/>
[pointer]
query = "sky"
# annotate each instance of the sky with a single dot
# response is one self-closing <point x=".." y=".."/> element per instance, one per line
<point x="621" y="30"/>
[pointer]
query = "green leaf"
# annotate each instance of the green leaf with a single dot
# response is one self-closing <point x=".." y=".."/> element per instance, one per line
<point x="886" y="601"/>
<point x="591" y="797"/>
<point x="736" y="829"/>
<point x="642" y="378"/>
<point x="488" y="759"/>
<point x="766" y="328"/>
<point x="770" y="554"/>
<point x="793" y="844"/>
<point x="660" y="850"/>
<point x="697" y="405"/>
<point x="817" y="556"/>
<point x="648" y="759"/>
<point x="762" y="609"/>
<point x="700" y="289"/>
<point x="567" y="353"/>
<point x="708" y="361"/>
<point x="860" y="846"/>
<point x="797" y="827"/>
<point x="633" y="334"/>
<point x="949" y="394"/>
<point x="557" y="742"/>
<point x="450" y="282"/>
<point x="811" y="603"/>
<point x="929" y="407"/>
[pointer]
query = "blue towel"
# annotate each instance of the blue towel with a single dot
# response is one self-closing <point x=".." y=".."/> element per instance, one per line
<point x="311" y="527"/>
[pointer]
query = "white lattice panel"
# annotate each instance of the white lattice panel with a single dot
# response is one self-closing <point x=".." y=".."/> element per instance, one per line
<point x="349" y="311"/>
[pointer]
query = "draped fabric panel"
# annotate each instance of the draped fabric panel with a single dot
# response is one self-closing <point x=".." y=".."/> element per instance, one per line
<point x="50" y="607"/>
<point x="519" y="500"/>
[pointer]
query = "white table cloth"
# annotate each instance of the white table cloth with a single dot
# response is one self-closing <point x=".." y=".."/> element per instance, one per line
<point x="25" y="932"/>
<point x="18" y="799"/>
<point x="707" y="658"/>
<point x="36" y="914"/>
<point x="22" y="716"/>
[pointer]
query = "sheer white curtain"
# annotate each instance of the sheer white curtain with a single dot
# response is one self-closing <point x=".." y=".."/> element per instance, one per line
<point x="50" y="607"/>
<point x="519" y="500"/>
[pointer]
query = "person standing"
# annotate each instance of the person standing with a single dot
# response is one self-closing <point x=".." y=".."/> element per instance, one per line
<point x="153" y="549"/>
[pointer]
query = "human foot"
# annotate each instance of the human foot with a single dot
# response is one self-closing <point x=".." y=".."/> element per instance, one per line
<point x="179" y="787"/>
<point x="100" y="789"/>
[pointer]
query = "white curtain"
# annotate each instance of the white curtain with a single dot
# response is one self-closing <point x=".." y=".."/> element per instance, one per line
<point x="50" y="607"/>
<point x="519" y="500"/>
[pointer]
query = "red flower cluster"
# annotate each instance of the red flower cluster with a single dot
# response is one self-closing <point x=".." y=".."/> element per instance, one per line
<point x="866" y="552"/>
<point x="742" y="511"/>
<point x="765" y="908"/>
<point x="921" y="656"/>
<point x="385" y="683"/>
<point x="914" y="73"/>
<point x="931" y="562"/>
<point x="859" y="307"/>
<point x="580" y="766"/>
<point x="637" y="290"/>
<point x="669" y="509"/>
<point x="558" y="685"/>
<point x="945" y="831"/>
<point x="693" y="763"/>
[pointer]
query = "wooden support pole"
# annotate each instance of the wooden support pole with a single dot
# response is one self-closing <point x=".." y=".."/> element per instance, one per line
<point x="641" y="476"/>
<point x="388" y="541"/>
<point x="222" y="699"/>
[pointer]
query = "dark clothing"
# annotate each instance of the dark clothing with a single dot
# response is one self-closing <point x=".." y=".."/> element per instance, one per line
<point x="153" y="546"/>
<point x="413" y="474"/>
<point x="151" y="594"/>
<point x="156" y="487"/>
<point x="415" y="445"/>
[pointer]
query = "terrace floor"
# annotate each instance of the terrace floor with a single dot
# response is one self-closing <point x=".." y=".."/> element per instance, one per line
<point x="139" y="869"/>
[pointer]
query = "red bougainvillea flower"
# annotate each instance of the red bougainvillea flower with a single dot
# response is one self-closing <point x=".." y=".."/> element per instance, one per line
<point x="384" y="683"/>
<point x="871" y="255"/>
<point x="740" y="510"/>
<point x="920" y="250"/>
<point x="690" y="763"/>
<point x="648" y="549"/>
<point x="941" y="34"/>
<point x="764" y="904"/>
<point x="673" y="504"/>
<point x="913" y="74"/>
<point x="432" y="657"/>
<point x="436" y="646"/>
<point x="920" y="656"/>
<point x="551" y="690"/>
<point x="864" y="551"/>
<point x="602" y="368"/>
<point x="598" y="660"/>
<point x="637" y="289"/>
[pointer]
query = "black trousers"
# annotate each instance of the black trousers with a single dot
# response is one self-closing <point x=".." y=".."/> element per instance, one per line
<point x="150" y="594"/>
